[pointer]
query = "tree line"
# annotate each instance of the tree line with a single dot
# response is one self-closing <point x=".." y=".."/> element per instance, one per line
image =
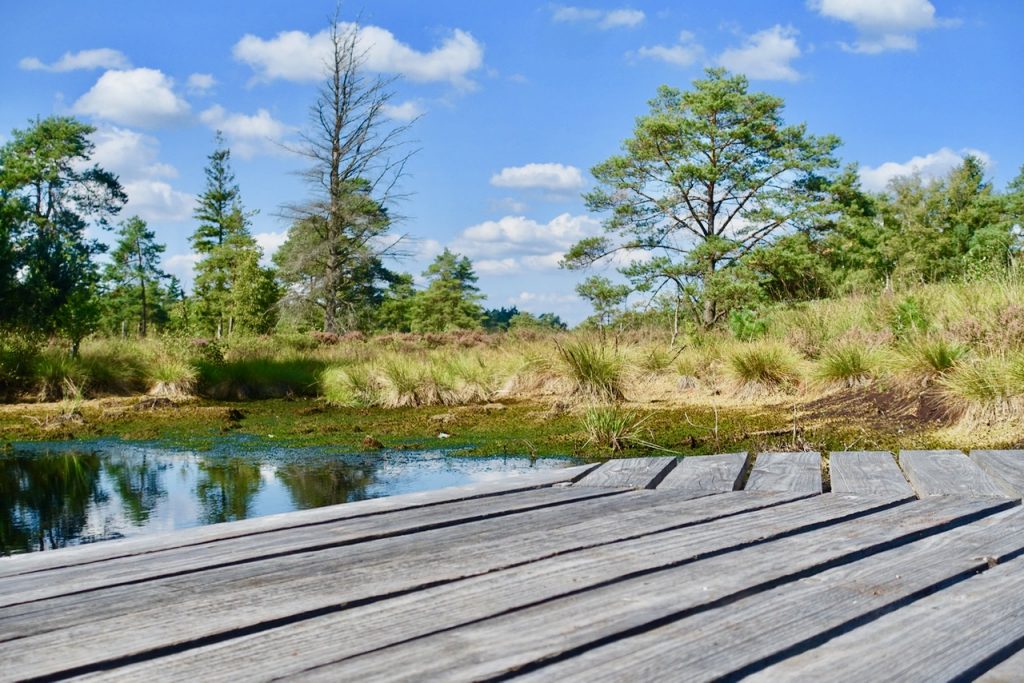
<point x="714" y="209"/>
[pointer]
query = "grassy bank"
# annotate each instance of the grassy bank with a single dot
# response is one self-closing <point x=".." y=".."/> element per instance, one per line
<point x="941" y="364"/>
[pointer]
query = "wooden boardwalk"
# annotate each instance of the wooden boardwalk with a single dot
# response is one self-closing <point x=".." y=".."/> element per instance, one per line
<point x="649" y="569"/>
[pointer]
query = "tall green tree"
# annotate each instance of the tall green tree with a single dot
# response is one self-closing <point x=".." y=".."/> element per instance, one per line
<point x="396" y="310"/>
<point x="709" y="174"/>
<point x="134" y="279"/>
<point x="49" y="195"/>
<point x="356" y="160"/>
<point x="451" y="300"/>
<point x="223" y="241"/>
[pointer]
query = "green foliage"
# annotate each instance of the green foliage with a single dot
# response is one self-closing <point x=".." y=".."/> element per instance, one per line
<point x="764" y="365"/>
<point x="607" y="299"/>
<point x="256" y="378"/>
<point x="708" y="175"/>
<point x="18" y="353"/>
<point x="233" y="293"/>
<point x="133" y="280"/>
<point x="397" y="307"/>
<point x="746" y="325"/>
<point x="909" y="318"/>
<point x="524" y="320"/>
<point x="49" y="195"/>
<point x="451" y="299"/>
<point x="594" y="371"/>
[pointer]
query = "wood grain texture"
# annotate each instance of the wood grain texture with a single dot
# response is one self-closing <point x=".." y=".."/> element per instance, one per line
<point x="947" y="473"/>
<point x="797" y="472"/>
<point x="325" y="639"/>
<point x="710" y="473"/>
<point x="745" y="635"/>
<point x="1005" y="467"/>
<point x="634" y="473"/>
<point x="282" y="543"/>
<point x="52" y="635"/>
<point x="938" y="637"/>
<point x="872" y="472"/>
<point x="85" y="554"/>
<point x="568" y="626"/>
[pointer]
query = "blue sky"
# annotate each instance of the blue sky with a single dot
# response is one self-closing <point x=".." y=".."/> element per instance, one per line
<point x="517" y="101"/>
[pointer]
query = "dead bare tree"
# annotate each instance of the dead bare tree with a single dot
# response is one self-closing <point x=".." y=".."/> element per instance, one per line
<point x="340" y="234"/>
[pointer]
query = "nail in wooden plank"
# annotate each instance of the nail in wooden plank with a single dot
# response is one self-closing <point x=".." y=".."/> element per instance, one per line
<point x="710" y="473"/>
<point x="798" y="472"/>
<point x="947" y="473"/>
<point x="635" y="473"/>
<point x="1005" y="467"/>
<point x="871" y="472"/>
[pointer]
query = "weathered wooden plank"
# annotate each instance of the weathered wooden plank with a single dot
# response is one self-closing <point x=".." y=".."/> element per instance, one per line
<point x="800" y="472"/>
<point x="942" y="473"/>
<point x="179" y="609"/>
<point x="31" y="562"/>
<point x="748" y="634"/>
<point x="568" y="625"/>
<point x="1010" y="670"/>
<point x="345" y="533"/>
<point x="635" y="473"/>
<point x="710" y="473"/>
<point x="364" y="627"/>
<point x="939" y="637"/>
<point x="872" y="472"/>
<point x="1005" y="467"/>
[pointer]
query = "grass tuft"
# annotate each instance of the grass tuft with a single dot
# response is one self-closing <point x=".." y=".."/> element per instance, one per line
<point x="594" y="371"/>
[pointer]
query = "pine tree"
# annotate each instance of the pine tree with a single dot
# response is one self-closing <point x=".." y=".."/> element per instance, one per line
<point x="451" y="300"/>
<point x="133" y="278"/>
<point x="222" y="240"/>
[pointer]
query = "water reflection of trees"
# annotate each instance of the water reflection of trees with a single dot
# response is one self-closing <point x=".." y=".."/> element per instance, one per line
<point x="226" y="489"/>
<point x="326" y="483"/>
<point x="45" y="498"/>
<point x="138" y="482"/>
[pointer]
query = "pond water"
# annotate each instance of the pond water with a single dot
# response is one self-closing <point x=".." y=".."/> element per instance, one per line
<point x="54" y="495"/>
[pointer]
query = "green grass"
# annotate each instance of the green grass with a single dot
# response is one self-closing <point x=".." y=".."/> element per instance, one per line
<point x="260" y="378"/>
<point x="846" y="364"/>
<point x="765" y="366"/>
<point x="594" y="371"/>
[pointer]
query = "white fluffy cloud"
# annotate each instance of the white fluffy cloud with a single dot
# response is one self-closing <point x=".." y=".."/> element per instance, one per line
<point x="135" y="97"/>
<point x="200" y="84"/>
<point x="929" y="166"/>
<point x="100" y="58"/>
<point x="541" y="176"/>
<point x="405" y="111"/>
<point x="249" y="134"/>
<point x="129" y="153"/>
<point x="882" y="25"/>
<point x="766" y="55"/>
<point x="603" y="19"/>
<point x="299" y="56"/>
<point x="157" y="201"/>
<point x="133" y="156"/>
<point x="514" y="243"/>
<point x="686" y="51"/>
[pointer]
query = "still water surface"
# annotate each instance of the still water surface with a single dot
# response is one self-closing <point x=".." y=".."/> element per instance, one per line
<point x="60" y="494"/>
